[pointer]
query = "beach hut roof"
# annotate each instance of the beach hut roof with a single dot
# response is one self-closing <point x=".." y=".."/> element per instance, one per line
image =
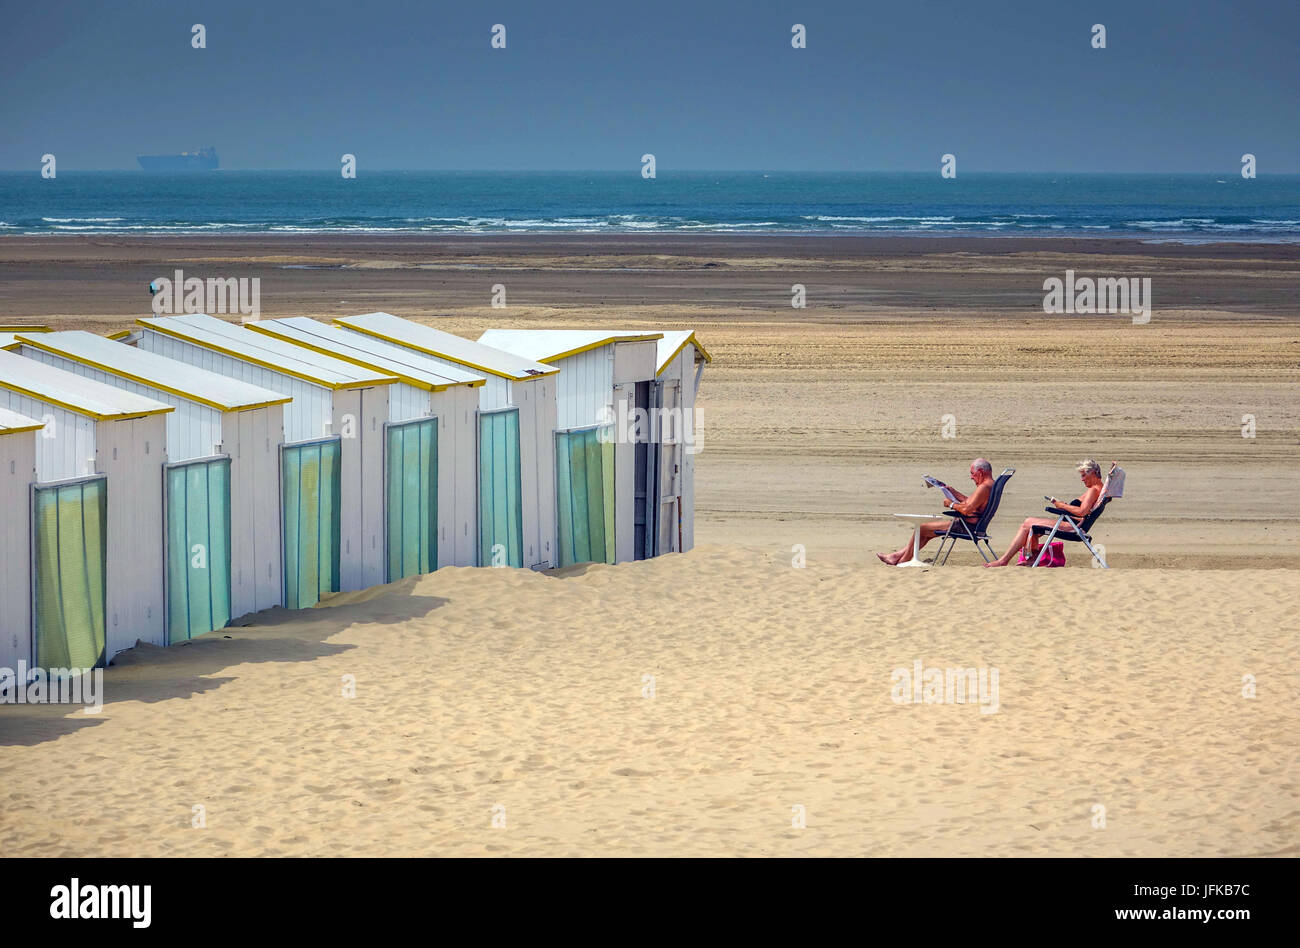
<point x="445" y="345"/>
<point x="368" y="352"/>
<point x="12" y="422"/>
<point x="84" y="396"/>
<point x="156" y="371"/>
<point x="673" y="342"/>
<point x="551" y="345"/>
<point x="260" y="349"/>
<point x="9" y="332"/>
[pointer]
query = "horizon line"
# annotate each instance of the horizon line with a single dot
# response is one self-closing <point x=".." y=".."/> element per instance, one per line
<point x="635" y="171"/>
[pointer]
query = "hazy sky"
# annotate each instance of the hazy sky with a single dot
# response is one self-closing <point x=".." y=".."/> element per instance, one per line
<point x="1005" y="86"/>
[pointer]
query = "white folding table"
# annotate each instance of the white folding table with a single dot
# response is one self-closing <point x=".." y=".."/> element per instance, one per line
<point x="916" y="538"/>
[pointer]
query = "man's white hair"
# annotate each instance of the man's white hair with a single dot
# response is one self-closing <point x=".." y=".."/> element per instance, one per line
<point x="982" y="464"/>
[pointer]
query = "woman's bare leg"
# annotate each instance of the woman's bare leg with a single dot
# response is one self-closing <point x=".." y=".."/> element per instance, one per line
<point x="1022" y="537"/>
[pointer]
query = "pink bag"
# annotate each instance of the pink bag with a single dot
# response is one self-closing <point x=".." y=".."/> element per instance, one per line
<point x="1055" y="555"/>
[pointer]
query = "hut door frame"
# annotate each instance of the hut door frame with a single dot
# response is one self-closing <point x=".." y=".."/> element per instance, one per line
<point x="651" y="400"/>
<point x="215" y="609"/>
<point x="670" y="467"/>
<point x="100" y="632"/>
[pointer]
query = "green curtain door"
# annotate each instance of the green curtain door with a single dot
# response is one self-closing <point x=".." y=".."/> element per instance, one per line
<point x="499" y="496"/>
<point x="585" y="492"/>
<point x="412" y="465"/>
<point x="68" y="573"/>
<point x="198" y="548"/>
<point x="310" y="505"/>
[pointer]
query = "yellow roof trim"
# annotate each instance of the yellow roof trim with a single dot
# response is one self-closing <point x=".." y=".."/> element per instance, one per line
<point x="688" y="340"/>
<point x="189" y="397"/>
<point x="120" y="334"/>
<point x="604" y="342"/>
<point x="360" y="363"/>
<point x="8" y="328"/>
<point x="407" y="344"/>
<point x="38" y="396"/>
<point x="9" y="431"/>
<point x="203" y="344"/>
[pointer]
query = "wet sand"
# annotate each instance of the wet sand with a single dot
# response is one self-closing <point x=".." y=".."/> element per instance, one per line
<point x="819" y="422"/>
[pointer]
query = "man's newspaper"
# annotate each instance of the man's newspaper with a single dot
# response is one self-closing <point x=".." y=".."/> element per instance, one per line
<point x="947" y="492"/>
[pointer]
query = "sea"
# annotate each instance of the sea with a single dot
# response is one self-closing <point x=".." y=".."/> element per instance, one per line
<point x="1186" y="208"/>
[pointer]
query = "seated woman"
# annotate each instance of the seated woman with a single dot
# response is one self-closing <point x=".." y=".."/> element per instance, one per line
<point x="1090" y="474"/>
<point x="970" y="508"/>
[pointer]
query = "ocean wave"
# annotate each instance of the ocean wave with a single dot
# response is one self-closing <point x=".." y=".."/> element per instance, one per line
<point x="82" y="220"/>
<point x="872" y="220"/>
<point x="782" y="221"/>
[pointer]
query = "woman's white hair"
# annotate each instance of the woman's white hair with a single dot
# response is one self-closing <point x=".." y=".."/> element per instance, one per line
<point x="1089" y="466"/>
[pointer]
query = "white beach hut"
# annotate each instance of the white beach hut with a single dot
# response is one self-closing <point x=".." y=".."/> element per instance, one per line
<point x="332" y="459"/>
<point x="680" y="361"/>
<point x="605" y="378"/>
<point x="515" y="437"/>
<point x="222" y="494"/>
<point x="430" y="465"/>
<point x="18" y="434"/>
<point x="97" y="524"/>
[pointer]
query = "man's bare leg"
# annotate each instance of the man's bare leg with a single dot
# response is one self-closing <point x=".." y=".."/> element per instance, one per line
<point x="905" y="552"/>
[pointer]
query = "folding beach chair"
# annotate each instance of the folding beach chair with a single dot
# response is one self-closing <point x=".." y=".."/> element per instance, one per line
<point x="1112" y="488"/>
<point x="976" y="533"/>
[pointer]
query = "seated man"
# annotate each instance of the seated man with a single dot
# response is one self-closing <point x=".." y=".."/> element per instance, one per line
<point x="969" y="509"/>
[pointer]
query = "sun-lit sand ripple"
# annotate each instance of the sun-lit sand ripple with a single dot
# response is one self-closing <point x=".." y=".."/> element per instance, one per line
<point x="505" y="695"/>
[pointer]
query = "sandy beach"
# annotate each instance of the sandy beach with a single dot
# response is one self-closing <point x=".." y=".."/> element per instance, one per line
<point x="772" y="684"/>
<point x="482" y="689"/>
<point x="819" y="422"/>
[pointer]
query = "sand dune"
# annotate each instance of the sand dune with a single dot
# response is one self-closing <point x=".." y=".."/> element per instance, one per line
<point x="478" y="689"/>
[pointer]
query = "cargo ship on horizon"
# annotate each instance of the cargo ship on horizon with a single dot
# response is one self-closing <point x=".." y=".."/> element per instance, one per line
<point x="205" y="159"/>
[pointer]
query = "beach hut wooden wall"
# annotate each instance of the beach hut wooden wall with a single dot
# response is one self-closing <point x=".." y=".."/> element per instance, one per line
<point x="680" y="361"/>
<point x="99" y="472"/>
<point x="18" y="434"/>
<point x="222" y="486"/>
<point x="431" y="423"/>
<point x="604" y="377"/>
<point x="331" y="463"/>
<point x="515" y="428"/>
